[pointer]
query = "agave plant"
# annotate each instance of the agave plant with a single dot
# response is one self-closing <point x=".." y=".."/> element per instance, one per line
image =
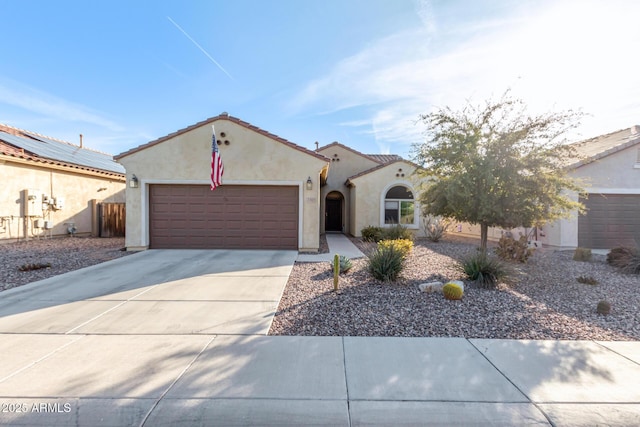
<point x="345" y="264"/>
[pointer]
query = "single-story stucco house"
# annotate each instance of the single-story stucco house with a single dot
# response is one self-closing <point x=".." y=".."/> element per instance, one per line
<point x="50" y="186"/>
<point x="609" y="171"/>
<point x="275" y="194"/>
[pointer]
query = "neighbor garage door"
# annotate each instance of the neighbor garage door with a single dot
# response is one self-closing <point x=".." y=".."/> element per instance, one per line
<point x="611" y="220"/>
<point x="231" y="217"/>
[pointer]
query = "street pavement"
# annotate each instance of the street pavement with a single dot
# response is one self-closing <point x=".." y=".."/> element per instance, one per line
<point x="178" y="338"/>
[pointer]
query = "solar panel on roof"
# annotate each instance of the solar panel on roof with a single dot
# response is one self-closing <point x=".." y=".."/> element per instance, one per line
<point x="56" y="150"/>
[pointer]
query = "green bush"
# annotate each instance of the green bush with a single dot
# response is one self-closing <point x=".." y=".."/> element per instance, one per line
<point x="582" y="254"/>
<point x="397" y="232"/>
<point x="403" y="245"/>
<point x="371" y="234"/>
<point x="345" y="264"/>
<point x="485" y="270"/>
<point x="386" y="263"/>
<point x="510" y="249"/>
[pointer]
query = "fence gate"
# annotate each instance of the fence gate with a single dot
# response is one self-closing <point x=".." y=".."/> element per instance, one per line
<point x="111" y="219"/>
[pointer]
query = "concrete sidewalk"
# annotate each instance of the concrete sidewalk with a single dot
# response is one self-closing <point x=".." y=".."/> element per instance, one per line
<point x="184" y="380"/>
<point x="338" y="244"/>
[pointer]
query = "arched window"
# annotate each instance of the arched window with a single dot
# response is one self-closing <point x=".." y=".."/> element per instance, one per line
<point x="399" y="206"/>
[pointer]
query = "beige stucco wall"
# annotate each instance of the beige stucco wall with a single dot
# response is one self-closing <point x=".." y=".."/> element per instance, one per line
<point x="250" y="158"/>
<point x="77" y="189"/>
<point x="349" y="164"/>
<point x="370" y="190"/>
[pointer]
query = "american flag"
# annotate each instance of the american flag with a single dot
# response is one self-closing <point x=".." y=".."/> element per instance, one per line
<point x="217" y="168"/>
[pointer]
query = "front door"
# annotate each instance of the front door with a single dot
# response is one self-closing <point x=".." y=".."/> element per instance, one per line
<point x="333" y="215"/>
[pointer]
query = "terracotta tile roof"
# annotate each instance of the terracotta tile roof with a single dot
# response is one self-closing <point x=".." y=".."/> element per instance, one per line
<point x="337" y="144"/>
<point x="601" y="146"/>
<point x="16" y="142"/>
<point x="385" y="158"/>
<point x="232" y="119"/>
<point x="378" y="158"/>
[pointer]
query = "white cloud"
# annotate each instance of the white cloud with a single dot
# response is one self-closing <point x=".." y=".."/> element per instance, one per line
<point x="564" y="55"/>
<point x="28" y="98"/>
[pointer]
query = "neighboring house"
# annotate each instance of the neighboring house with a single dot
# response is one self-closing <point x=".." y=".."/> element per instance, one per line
<point x="50" y="186"/>
<point x="275" y="194"/>
<point x="609" y="170"/>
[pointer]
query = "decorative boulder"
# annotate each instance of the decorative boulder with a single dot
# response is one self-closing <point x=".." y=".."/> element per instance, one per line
<point x="431" y="287"/>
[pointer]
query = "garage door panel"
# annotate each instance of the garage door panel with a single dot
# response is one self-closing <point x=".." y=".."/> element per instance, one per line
<point x="611" y="220"/>
<point x="192" y="216"/>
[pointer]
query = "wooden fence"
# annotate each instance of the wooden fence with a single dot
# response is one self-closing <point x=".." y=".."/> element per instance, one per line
<point x="111" y="219"/>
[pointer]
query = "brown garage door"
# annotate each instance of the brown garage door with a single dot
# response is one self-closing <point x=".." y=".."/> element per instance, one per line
<point x="611" y="220"/>
<point x="231" y="217"/>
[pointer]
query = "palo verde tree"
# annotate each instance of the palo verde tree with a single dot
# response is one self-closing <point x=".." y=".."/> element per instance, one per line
<point x="495" y="165"/>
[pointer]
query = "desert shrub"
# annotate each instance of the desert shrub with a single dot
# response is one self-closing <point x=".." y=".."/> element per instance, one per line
<point x="625" y="258"/>
<point x="386" y="263"/>
<point x="371" y="234"/>
<point x="485" y="270"/>
<point x="34" y="266"/>
<point x="345" y="264"/>
<point x="434" y="227"/>
<point x="397" y="232"/>
<point x="587" y="280"/>
<point x="403" y="245"/>
<point x="582" y="254"/>
<point x="620" y="256"/>
<point x="510" y="249"/>
<point x="603" y="307"/>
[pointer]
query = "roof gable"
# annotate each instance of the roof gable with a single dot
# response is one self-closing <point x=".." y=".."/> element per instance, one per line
<point x="377" y="168"/>
<point x="212" y="120"/>
<point x="337" y="144"/>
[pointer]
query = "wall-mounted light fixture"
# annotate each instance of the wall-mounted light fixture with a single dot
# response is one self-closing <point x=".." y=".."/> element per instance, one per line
<point x="133" y="182"/>
<point x="309" y="184"/>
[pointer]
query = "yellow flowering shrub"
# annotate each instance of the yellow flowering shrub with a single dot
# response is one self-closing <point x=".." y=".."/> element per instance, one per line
<point x="402" y="245"/>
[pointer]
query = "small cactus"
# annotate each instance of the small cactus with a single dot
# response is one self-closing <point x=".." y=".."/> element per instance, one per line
<point x="452" y="291"/>
<point x="604" y="307"/>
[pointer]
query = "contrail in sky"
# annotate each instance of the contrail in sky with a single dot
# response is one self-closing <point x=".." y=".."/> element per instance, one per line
<point x="200" y="47"/>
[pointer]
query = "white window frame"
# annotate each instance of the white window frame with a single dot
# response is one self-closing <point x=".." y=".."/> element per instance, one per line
<point x="416" y="208"/>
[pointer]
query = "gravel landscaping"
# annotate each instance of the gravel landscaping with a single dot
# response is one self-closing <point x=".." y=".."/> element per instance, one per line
<point x="546" y="302"/>
<point x="62" y="254"/>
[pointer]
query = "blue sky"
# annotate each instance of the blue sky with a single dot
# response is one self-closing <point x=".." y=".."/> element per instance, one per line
<point x="360" y="72"/>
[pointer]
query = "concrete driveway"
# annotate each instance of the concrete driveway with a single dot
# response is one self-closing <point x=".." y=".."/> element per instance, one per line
<point x="155" y="292"/>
